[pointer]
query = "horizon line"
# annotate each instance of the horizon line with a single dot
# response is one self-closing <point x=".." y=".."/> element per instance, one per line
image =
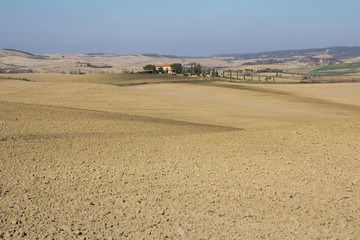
<point x="179" y="56"/>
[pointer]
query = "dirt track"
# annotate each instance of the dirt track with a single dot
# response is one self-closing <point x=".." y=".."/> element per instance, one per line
<point x="181" y="161"/>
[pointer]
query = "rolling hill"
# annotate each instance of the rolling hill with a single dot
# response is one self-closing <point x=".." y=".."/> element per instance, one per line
<point x="335" y="52"/>
<point x="293" y="60"/>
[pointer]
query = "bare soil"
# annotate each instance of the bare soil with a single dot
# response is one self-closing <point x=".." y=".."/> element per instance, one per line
<point x="209" y="160"/>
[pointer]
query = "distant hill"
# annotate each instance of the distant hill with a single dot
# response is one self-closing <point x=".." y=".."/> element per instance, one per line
<point x="18" y="53"/>
<point x="159" y="55"/>
<point x="335" y="52"/>
<point x="13" y="61"/>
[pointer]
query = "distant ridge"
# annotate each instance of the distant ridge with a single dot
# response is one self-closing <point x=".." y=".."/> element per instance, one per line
<point x="15" y="50"/>
<point x="159" y="55"/>
<point x="19" y="53"/>
<point x="95" y="54"/>
<point x="17" y="61"/>
<point x="336" y="52"/>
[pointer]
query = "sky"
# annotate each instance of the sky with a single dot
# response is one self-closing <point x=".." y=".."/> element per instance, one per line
<point x="182" y="28"/>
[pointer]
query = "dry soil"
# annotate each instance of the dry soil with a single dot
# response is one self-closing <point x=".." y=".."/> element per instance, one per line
<point x="208" y="160"/>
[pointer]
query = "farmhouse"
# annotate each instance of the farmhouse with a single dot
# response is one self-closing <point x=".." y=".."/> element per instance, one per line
<point x="166" y="67"/>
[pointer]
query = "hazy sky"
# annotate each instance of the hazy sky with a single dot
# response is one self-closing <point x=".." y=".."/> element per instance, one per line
<point x="183" y="27"/>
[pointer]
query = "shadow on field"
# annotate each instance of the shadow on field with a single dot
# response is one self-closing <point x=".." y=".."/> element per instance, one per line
<point x="289" y="97"/>
<point x="44" y="121"/>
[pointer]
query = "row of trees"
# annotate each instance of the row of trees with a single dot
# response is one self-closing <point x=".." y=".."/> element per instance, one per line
<point x="150" y="69"/>
<point x="177" y="68"/>
<point x="195" y="69"/>
<point x="16" y="70"/>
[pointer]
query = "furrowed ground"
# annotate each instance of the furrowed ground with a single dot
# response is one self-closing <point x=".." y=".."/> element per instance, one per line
<point x="188" y="160"/>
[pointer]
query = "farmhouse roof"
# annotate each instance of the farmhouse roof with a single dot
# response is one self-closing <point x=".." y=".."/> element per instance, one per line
<point x="163" y="65"/>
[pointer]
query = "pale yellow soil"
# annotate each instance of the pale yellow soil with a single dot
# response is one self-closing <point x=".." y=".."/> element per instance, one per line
<point x="208" y="160"/>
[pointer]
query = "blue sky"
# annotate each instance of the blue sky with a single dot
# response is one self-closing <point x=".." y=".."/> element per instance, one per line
<point x="184" y="28"/>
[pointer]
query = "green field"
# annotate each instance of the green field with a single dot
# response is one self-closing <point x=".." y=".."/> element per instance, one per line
<point x="338" y="67"/>
<point x="333" y="73"/>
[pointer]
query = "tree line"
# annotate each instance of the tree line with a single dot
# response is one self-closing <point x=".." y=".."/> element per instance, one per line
<point x="178" y="68"/>
<point x="175" y="68"/>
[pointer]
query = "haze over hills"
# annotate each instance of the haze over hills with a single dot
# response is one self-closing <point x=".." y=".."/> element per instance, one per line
<point x="19" y="61"/>
<point x="335" y="52"/>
